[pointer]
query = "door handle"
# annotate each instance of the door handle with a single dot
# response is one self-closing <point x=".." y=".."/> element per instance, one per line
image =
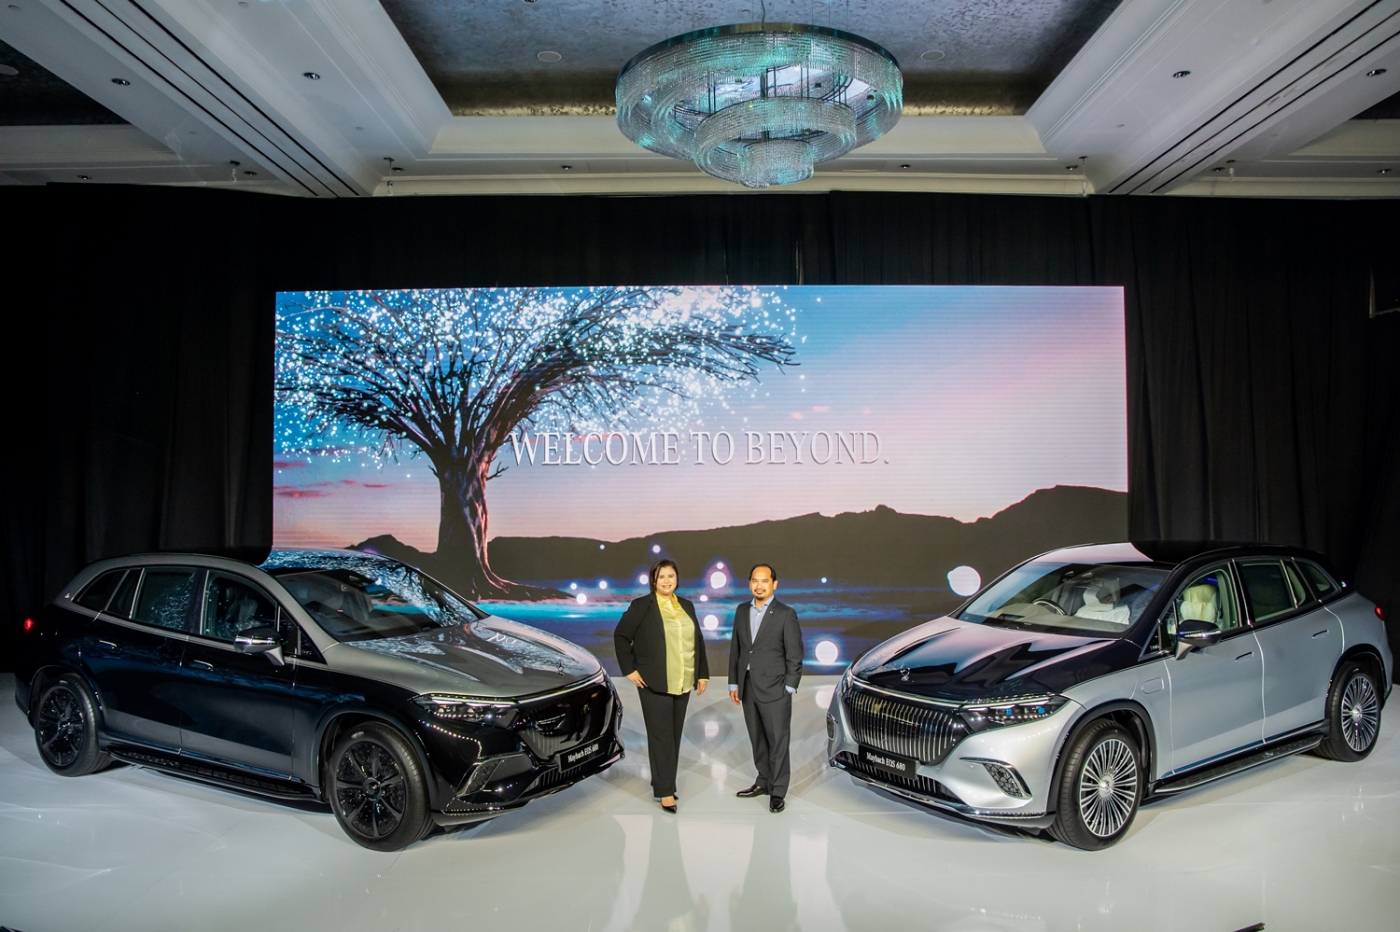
<point x="1321" y="633"/>
<point x="108" y="644"/>
<point x="1248" y="653"/>
<point x="201" y="663"/>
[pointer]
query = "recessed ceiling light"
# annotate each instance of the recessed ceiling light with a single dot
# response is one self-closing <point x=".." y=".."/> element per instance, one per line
<point x="932" y="55"/>
<point x="1071" y="168"/>
<point x="1181" y="74"/>
<point x="1229" y="161"/>
<point x="84" y="177"/>
<point x="250" y="174"/>
<point x="396" y="168"/>
<point x="905" y="165"/>
<point x="1385" y="171"/>
<point x="8" y="71"/>
<point x="567" y="168"/>
<point x="234" y="162"/>
<point x="1219" y="168"/>
<point x="548" y="56"/>
<point x="1375" y="72"/>
<point x="311" y="76"/>
<point x="1121" y="125"/>
<point x="121" y="82"/>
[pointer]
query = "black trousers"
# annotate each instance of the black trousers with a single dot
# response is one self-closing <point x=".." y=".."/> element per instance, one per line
<point x="664" y="717"/>
<point x="770" y="733"/>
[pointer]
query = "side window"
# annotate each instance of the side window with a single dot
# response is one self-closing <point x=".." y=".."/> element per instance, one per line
<point x="1210" y="596"/>
<point x="99" y="591"/>
<point x="1266" y="586"/>
<point x="232" y="606"/>
<point x="126" y="592"/>
<point x="166" y="598"/>
<point x="1301" y="595"/>
<point x="1322" y="583"/>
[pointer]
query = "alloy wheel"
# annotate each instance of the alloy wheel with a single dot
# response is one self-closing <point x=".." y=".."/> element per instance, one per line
<point x="61" y="726"/>
<point x="1360" y="713"/>
<point x="370" y="790"/>
<point x="1108" y="787"/>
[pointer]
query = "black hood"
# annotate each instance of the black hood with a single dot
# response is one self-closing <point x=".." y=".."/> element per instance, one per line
<point x="962" y="661"/>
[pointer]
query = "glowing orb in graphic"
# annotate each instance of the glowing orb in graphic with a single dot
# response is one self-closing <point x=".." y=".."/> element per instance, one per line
<point x="655" y="548"/>
<point x="602" y="584"/>
<point x="823" y="580"/>
<point x="641" y="579"/>
<point x="581" y="598"/>
<point x="719" y="566"/>
<point x="718" y="580"/>
<point x="573" y="586"/>
<point x="827" y="652"/>
<point x="964" y="580"/>
<point x="711" y="623"/>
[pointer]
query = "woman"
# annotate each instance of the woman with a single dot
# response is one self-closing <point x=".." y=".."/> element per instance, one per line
<point x="660" y="649"/>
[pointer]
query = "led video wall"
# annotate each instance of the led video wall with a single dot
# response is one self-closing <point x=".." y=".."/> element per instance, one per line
<point x="886" y="448"/>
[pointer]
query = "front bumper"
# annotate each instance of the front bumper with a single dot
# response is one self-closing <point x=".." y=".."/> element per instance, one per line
<point x="549" y="743"/>
<point x="973" y="778"/>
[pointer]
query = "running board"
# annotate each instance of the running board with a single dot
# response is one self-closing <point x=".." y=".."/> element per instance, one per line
<point x="225" y="777"/>
<point x="1200" y="777"/>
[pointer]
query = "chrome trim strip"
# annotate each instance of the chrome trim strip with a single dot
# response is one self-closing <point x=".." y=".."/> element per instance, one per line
<point x="989" y="815"/>
<point x="939" y="703"/>
<point x="600" y="677"/>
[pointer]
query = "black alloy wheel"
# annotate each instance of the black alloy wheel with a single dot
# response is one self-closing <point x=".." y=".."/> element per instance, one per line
<point x="65" y="728"/>
<point x="1100" y="788"/>
<point x="377" y="788"/>
<point x="1353" y="714"/>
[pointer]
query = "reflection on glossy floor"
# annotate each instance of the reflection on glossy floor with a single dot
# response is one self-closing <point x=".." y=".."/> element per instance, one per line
<point x="1304" y="844"/>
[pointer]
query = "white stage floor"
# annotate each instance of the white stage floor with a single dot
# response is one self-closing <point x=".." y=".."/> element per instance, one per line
<point x="1303" y="844"/>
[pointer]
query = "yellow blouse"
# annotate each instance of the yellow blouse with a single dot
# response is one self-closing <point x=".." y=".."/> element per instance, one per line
<point x="680" y="645"/>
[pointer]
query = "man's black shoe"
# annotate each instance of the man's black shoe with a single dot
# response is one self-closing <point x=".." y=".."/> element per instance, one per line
<point x="752" y="791"/>
<point x="775" y="804"/>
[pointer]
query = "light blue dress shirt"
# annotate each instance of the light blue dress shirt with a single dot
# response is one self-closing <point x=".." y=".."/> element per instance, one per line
<point x="756" y="613"/>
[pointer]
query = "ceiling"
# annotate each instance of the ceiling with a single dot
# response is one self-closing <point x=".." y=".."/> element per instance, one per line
<point x="415" y="97"/>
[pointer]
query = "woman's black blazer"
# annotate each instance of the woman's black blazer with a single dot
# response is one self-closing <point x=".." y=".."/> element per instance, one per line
<point x="640" y="640"/>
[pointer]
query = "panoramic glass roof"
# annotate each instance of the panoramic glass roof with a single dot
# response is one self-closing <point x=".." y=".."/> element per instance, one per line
<point x="958" y="56"/>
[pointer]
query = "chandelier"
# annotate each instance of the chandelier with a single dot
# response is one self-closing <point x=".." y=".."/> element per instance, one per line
<point x="759" y="103"/>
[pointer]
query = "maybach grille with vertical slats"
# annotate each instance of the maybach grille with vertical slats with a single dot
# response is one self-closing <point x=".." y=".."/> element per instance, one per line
<point x="909" y="729"/>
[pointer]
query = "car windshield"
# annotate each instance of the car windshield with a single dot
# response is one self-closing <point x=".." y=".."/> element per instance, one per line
<point x="1087" y="599"/>
<point x="367" y="599"/>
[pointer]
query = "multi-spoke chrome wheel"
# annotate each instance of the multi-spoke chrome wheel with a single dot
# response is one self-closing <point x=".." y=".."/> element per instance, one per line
<point x="369" y="789"/>
<point x="61" y="728"/>
<point x="1353" y="712"/>
<point x="1108" y="787"/>
<point x="1360" y="713"/>
<point x="1099" y="788"/>
<point x="376" y="787"/>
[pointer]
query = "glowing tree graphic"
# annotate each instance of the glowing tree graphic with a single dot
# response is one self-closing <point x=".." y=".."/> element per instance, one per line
<point x="451" y="373"/>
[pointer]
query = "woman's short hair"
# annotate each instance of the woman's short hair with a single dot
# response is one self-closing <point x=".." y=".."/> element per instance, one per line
<point x="660" y="565"/>
<point x="772" y="573"/>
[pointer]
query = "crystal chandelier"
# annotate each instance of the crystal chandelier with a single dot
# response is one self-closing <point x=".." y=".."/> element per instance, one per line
<point x="759" y="103"/>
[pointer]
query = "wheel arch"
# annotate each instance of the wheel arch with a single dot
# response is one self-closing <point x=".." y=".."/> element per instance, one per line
<point x="50" y="673"/>
<point x="1369" y="657"/>
<point x="341" y="719"/>
<point x="1131" y="715"/>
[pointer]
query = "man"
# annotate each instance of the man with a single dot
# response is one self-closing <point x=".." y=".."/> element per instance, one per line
<point x="765" y="666"/>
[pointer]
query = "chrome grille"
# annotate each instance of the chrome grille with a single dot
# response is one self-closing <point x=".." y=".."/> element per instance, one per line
<point x="909" y="729"/>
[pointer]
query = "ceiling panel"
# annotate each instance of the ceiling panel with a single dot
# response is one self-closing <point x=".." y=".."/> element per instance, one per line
<point x="31" y="95"/>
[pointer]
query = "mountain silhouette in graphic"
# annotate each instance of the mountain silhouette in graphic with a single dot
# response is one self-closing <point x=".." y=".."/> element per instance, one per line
<point x="881" y="548"/>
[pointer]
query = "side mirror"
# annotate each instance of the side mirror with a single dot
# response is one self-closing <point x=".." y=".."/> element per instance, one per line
<point x="261" y="640"/>
<point x="1193" y="635"/>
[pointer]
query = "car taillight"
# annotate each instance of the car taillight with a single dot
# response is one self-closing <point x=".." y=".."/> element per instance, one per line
<point x="29" y="624"/>
<point x="1380" y="614"/>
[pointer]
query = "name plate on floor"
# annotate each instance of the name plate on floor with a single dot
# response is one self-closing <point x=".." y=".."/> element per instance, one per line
<point x="889" y="763"/>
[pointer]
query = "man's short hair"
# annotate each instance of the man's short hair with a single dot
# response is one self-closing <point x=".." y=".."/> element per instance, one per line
<point x="768" y="566"/>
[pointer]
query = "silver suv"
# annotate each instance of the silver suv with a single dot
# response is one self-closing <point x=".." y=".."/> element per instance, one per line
<point x="1088" y="680"/>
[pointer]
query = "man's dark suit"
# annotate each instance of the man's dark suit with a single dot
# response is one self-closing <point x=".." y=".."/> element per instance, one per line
<point x="763" y="669"/>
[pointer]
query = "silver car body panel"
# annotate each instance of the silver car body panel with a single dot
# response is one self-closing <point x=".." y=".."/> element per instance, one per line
<point x="1299" y="656"/>
<point x="1217" y="700"/>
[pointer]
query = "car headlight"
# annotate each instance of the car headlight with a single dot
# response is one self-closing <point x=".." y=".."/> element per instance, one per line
<point x="467" y="709"/>
<point x="1011" y="712"/>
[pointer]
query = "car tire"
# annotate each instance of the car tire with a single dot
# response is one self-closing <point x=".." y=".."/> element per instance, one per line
<point x="1100" y="787"/>
<point x="377" y="789"/>
<point x="65" y="728"/>
<point x="1353" y="714"/>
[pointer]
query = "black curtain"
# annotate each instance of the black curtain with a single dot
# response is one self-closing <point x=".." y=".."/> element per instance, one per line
<point x="1262" y="397"/>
